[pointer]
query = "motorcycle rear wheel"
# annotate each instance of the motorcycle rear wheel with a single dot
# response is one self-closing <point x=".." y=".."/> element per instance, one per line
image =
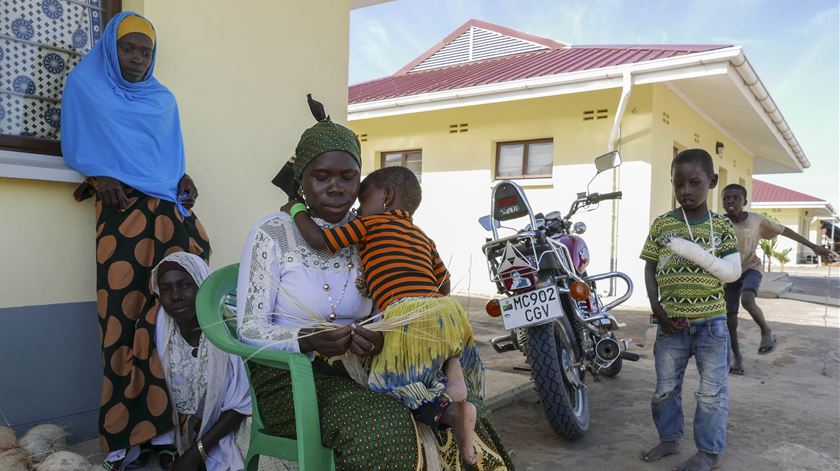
<point x="565" y="406"/>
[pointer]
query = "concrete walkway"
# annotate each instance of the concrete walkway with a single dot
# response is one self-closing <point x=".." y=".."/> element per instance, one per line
<point x="817" y="284"/>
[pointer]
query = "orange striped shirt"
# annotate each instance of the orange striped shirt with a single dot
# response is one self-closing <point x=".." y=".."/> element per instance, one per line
<point x="398" y="259"/>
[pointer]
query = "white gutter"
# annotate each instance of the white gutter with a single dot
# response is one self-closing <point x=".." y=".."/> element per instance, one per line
<point x="794" y="205"/>
<point x="751" y="80"/>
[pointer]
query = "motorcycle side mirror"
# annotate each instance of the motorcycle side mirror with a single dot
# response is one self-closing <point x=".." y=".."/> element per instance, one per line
<point x="485" y="223"/>
<point x="603" y="163"/>
<point x="607" y="161"/>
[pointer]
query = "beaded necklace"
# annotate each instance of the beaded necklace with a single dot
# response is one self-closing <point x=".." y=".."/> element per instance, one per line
<point x="326" y="286"/>
<point x="334" y="307"/>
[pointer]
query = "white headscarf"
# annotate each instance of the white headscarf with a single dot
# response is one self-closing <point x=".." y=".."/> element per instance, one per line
<point x="193" y="264"/>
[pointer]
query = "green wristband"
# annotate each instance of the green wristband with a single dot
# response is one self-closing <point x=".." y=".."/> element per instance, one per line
<point x="297" y="208"/>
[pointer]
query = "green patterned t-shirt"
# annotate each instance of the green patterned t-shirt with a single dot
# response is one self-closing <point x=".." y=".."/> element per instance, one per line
<point x="686" y="289"/>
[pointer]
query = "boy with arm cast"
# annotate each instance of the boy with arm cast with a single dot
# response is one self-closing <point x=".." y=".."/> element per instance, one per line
<point x="689" y="253"/>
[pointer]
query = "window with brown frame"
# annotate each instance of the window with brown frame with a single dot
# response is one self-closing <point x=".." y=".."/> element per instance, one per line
<point x="524" y="159"/>
<point x="39" y="45"/>
<point x="411" y="159"/>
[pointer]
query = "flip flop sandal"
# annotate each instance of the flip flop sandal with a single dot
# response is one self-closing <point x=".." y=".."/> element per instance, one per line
<point x="736" y="371"/>
<point x="143" y="458"/>
<point x="113" y="465"/>
<point x="167" y="457"/>
<point x="123" y="464"/>
<point x="764" y="349"/>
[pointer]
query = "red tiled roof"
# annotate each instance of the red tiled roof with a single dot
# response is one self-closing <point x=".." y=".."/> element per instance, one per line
<point x="764" y="192"/>
<point x="552" y="61"/>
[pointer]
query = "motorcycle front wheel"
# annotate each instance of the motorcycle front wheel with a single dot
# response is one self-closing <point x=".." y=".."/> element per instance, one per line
<point x="552" y="368"/>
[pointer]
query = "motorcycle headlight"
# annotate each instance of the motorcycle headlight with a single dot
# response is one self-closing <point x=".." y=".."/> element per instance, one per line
<point x="579" y="228"/>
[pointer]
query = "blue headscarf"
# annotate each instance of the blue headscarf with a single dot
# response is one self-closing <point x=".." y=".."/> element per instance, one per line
<point x="115" y="128"/>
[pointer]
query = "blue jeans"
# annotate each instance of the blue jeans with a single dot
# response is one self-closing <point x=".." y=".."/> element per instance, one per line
<point x="708" y="342"/>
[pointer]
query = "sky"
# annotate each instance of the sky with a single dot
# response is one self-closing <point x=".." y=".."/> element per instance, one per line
<point x="793" y="45"/>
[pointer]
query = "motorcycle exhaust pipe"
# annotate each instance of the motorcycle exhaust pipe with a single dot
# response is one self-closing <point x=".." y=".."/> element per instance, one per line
<point x="630" y="356"/>
<point x="504" y="343"/>
<point x="607" y="350"/>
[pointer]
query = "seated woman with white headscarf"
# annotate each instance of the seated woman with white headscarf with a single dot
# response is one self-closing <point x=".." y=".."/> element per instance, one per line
<point x="208" y="387"/>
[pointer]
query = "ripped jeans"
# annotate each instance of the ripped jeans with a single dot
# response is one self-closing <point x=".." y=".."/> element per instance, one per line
<point x="708" y="342"/>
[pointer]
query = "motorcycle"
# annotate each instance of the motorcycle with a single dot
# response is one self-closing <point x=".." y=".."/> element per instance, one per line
<point x="552" y="311"/>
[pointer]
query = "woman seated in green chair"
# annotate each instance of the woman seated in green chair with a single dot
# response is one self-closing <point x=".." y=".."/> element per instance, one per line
<point x="285" y="287"/>
<point x="209" y="387"/>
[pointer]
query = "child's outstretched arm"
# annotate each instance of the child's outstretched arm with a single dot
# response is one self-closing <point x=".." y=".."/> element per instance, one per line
<point x="726" y="269"/>
<point x="823" y="252"/>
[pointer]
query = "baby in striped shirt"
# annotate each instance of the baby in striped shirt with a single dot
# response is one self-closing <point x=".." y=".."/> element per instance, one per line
<point x="430" y="364"/>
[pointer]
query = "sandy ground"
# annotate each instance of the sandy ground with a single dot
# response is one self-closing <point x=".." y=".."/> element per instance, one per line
<point x="784" y="413"/>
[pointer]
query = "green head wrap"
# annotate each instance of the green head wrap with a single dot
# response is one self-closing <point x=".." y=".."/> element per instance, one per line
<point x="324" y="136"/>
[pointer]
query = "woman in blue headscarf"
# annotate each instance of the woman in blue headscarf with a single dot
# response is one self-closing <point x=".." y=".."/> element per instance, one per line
<point x="120" y="128"/>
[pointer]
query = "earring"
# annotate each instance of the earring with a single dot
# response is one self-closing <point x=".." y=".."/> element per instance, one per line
<point x="303" y="197"/>
<point x="384" y="207"/>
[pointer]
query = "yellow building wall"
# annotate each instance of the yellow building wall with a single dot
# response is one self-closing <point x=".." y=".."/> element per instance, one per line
<point x="457" y="170"/>
<point x="240" y="72"/>
<point x="46" y="244"/>
<point x="676" y="124"/>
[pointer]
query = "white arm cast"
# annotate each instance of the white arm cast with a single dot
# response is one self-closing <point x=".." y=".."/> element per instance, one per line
<point x="727" y="269"/>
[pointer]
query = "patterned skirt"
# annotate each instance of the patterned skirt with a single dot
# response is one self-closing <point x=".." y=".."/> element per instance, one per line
<point x="134" y="406"/>
<point x="410" y="363"/>
<point x="367" y="430"/>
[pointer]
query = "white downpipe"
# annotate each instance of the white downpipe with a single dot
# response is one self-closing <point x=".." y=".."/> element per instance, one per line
<point x="615" y="135"/>
<point x="626" y="87"/>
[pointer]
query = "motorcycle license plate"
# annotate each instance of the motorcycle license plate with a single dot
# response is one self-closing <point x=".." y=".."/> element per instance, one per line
<point x="532" y="308"/>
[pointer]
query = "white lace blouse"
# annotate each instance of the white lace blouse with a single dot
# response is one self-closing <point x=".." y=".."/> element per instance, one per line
<point x="188" y="373"/>
<point x="283" y="284"/>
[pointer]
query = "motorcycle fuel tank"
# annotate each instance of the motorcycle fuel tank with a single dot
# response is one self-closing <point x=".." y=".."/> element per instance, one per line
<point x="578" y="250"/>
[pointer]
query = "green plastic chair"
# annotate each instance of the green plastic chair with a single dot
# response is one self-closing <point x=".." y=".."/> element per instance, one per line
<point x="307" y="449"/>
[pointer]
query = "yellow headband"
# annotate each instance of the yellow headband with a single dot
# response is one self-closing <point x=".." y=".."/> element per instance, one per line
<point x="136" y="24"/>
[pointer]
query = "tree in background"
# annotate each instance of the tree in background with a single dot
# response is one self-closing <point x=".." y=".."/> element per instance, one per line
<point x="782" y="257"/>
<point x="768" y="246"/>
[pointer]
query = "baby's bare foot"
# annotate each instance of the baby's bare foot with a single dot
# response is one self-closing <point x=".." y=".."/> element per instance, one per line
<point x="456" y="385"/>
<point x="462" y="416"/>
<point x="660" y="451"/>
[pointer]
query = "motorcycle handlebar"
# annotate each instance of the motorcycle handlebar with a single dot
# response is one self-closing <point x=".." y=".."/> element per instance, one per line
<point x="616" y="195"/>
